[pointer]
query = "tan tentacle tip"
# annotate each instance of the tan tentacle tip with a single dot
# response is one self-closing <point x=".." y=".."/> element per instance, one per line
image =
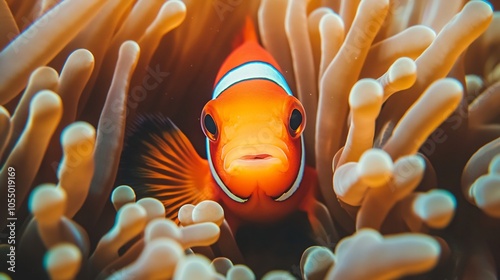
<point x="222" y="265"/>
<point x="157" y="261"/>
<point x="195" y="235"/>
<point x="424" y="33"/>
<point x="486" y="193"/>
<point x="240" y="272"/>
<point x="480" y="9"/>
<point x="439" y="100"/>
<point x="78" y="141"/>
<point x="46" y="73"/>
<point x="185" y="214"/>
<point x="318" y="261"/>
<point x="130" y="48"/>
<point x="47" y="203"/>
<point x="62" y="261"/>
<point x="278" y="275"/>
<point x="365" y="98"/>
<point x="447" y="91"/>
<point x="131" y="217"/>
<point x="81" y="57"/>
<point x="174" y="11"/>
<point x="208" y="211"/>
<point x="436" y="208"/>
<point x="122" y="195"/>
<point x="382" y="257"/>
<point x="331" y="19"/>
<point x="45" y="103"/>
<point x="129" y="222"/>
<point x="407" y="169"/>
<point x="194" y="267"/>
<point x="202" y="234"/>
<point x="79" y="135"/>
<point x="450" y="86"/>
<point x="154" y="208"/>
<point x="160" y="257"/>
<point x="375" y="168"/>
<point x="404" y="71"/>
<point x="161" y="228"/>
<point x="409" y="164"/>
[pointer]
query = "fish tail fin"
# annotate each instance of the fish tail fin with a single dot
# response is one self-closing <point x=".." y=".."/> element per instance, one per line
<point x="248" y="33"/>
<point x="159" y="161"/>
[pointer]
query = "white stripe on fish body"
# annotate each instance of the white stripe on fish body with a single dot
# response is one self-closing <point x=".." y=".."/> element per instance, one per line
<point x="217" y="179"/>
<point x="253" y="70"/>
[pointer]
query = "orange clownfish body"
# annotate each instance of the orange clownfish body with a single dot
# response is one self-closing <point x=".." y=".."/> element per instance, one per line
<point x="255" y="164"/>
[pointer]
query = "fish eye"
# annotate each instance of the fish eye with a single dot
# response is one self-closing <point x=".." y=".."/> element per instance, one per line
<point x="210" y="127"/>
<point x="296" y="122"/>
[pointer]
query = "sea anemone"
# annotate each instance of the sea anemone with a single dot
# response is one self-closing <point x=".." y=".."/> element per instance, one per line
<point x="403" y="130"/>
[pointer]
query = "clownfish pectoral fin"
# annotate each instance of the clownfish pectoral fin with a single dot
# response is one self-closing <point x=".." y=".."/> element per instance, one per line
<point x="159" y="161"/>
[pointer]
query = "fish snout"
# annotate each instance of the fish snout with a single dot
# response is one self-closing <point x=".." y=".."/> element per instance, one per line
<point x="255" y="159"/>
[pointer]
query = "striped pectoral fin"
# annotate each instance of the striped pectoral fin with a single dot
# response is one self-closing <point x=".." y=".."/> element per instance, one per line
<point x="159" y="161"/>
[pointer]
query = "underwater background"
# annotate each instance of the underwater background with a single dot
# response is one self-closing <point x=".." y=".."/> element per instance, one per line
<point x="403" y="129"/>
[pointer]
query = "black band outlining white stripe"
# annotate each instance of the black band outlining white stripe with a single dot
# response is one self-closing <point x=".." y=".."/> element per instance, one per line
<point x="253" y="70"/>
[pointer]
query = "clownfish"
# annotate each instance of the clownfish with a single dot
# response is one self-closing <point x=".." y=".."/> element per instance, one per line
<point x="255" y="162"/>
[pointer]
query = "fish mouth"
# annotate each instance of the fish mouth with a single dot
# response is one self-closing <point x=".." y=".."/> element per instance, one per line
<point x="250" y="157"/>
<point x="256" y="157"/>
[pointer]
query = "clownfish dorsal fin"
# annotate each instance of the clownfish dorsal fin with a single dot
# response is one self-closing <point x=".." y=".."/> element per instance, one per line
<point x="248" y="33"/>
<point x="159" y="161"/>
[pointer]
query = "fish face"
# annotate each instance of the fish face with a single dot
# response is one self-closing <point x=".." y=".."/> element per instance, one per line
<point x="254" y="142"/>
